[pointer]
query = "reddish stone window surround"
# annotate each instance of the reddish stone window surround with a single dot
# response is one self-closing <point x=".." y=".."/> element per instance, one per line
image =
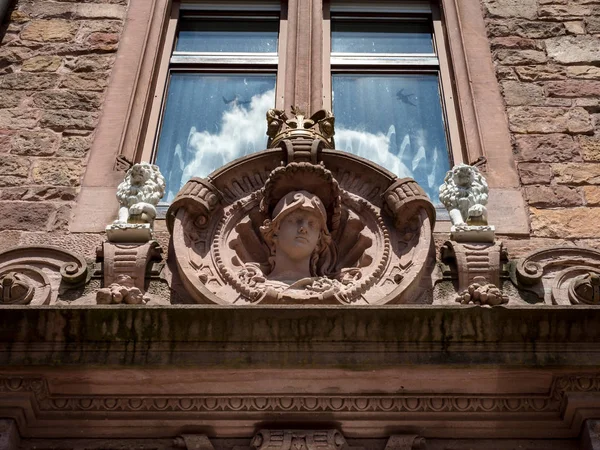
<point x="481" y="110"/>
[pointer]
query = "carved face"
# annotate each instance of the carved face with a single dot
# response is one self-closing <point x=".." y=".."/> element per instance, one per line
<point x="298" y="234"/>
<point x="463" y="176"/>
<point x="138" y="175"/>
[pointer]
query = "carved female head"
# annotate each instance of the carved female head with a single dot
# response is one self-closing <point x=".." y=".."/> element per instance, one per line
<point x="298" y="230"/>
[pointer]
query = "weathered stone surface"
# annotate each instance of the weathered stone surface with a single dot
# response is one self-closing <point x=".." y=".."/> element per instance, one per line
<point x="571" y="9"/>
<point x="588" y="72"/>
<point x="11" y="55"/>
<point x="576" y="173"/>
<point x="524" y="119"/>
<point x="11" y="99"/>
<point x="96" y="63"/>
<point x="518" y="94"/>
<point x="505" y="73"/>
<point x="62" y="120"/>
<point x="34" y="143"/>
<point x="532" y="173"/>
<point x="590" y="148"/>
<point x="573" y="88"/>
<point x="27" y="216"/>
<point x="15" y="166"/>
<point x="511" y="8"/>
<point x="57" y="172"/>
<point x="99" y="11"/>
<point x="60" y="220"/>
<point x="553" y="196"/>
<point x="525" y="28"/>
<point x="39" y="193"/>
<point x="592" y="24"/>
<point x="515" y="42"/>
<point x="5" y="140"/>
<point x="28" y="81"/>
<point x="547" y="148"/>
<point x="9" y="239"/>
<point x="46" y="63"/>
<point x="18" y="118"/>
<point x="74" y="147"/>
<point x="9" y="180"/>
<point x="540" y="73"/>
<point x="574" y="49"/>
<point x="592" y="195"/>
<point x="575" y="27"/>
<point x="60" y="99"/>
<point x="50" y="30"/>
<point x="85" y="82"/>
<point x="565" y="223"/>
<point x="520" y="57"/>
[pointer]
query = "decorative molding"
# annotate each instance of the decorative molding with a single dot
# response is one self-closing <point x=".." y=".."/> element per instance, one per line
<point x="414" y="403"/>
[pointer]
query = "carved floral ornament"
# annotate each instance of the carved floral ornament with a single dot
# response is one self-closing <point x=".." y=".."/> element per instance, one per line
<point x="301" y="223"/>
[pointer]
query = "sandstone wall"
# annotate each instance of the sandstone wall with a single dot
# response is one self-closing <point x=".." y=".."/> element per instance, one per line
<point x="55" y="63"/>
<point x="547" y="54"/>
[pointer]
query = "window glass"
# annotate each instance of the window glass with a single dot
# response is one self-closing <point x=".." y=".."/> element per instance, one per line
<point x="210" y="120"/>
<point x="215" y="35"/>
<point x="395" y="121"/>
<point x="371" y="36"/>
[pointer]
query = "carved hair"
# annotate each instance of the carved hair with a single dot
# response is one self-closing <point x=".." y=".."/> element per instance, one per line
<point x="150" y="191"/>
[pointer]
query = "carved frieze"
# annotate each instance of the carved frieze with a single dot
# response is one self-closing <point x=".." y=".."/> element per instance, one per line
<point x="280" y="227"/>
<point x="298" y="440"/>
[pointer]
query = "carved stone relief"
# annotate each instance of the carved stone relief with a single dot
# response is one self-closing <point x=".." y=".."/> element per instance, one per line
<point x="559" y="275"/>
<point x="36" y="275"/>
<point x="298" y="440"/>
<point x="302" y="223"/>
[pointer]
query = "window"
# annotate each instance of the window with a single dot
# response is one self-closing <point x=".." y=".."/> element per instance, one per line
<point x="387" y="94"/>
<point x="220" y="80"/>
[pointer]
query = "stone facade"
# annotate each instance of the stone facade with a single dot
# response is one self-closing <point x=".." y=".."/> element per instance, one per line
<point x="445" y="358"/>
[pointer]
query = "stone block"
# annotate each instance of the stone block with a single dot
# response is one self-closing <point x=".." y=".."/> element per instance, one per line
<point x="95" y="63"/>
<point x="11" y="99"/>
<point x="28" y="81"/>
<point x="531" y="173"/>
<point x="553" y="196"/>
<point x="34" y="143"/>
<point x="57" y="172"/>
<point x="574" y="49"/>
<point x="39" y="193"/>
<point x="15" y="166"/>
<point x="53" y="30"/>
<point x="524" y="119"/>
<point x="573" y="88"/>
<point x="99" y="11"/>
<point x="547" y="148"/>
<point x="12" y="55"/>
<point x="576" y="173"/>
<point x="61" y="219"/>
<point x="571" y="9"/>
<point x="515" y="42"/>
<point x="591" y="195"/>
<point x="519" y="94"/>
<point x="74" y="147"/>
<point x="540" y="73"/>
<point x="45" y="63"/>
<point x="575" y="27"/>
<point x="591" y="72"/>
<point x="590" y="147"/>
<point x="110" y="40"/>
<point x="59" y="99"/>
<point x="592" y="24"/>
<point x="511" y="8"/>
<point x="65" y="120"/>
<point x="565" y="223"/>
<point x="26" y="216"/>
<point x="520" y="57"/>
<point x="5" y="140"/>
<point x="85" y="81"/>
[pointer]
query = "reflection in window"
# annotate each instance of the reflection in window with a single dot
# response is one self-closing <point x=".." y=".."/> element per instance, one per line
<point x="395" y="121"/>
<point x="210" y="120"/>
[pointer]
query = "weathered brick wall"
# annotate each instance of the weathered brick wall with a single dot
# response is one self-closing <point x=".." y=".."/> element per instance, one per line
<point x="547" y="54"/>
<point x="55" y="63"/>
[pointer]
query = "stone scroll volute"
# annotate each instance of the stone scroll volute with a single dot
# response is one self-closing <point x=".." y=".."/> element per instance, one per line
<point x="317" y="227"/>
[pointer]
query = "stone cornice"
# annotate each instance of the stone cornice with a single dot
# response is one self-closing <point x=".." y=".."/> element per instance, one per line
<point x="361" y="337"/>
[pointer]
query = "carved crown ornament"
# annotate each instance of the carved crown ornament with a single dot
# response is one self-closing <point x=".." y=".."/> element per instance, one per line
<point x="302" y="222"/>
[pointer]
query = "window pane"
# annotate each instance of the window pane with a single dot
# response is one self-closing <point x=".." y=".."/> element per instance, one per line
<point x="358" y="36"/>
<point x="213" y="35"/>
<point x="395" y="121"/>
<point x="210" y="120"/>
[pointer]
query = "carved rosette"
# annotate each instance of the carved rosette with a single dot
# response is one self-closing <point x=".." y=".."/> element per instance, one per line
<point x="35" y="275"/>
<point x="560" y="275"/>
<point x="380" y="226"/>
